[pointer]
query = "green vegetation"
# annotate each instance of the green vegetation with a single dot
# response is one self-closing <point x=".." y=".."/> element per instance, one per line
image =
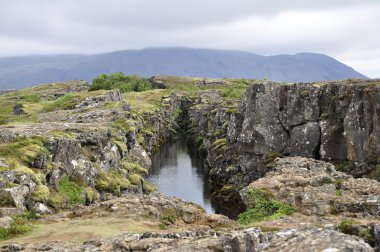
<point x="262" y="208"/>
<point x="305" y="93"/>
<point x="168" y="218"/>
<point x="377" y="172"/>
<point x="23" y="150"/>
<point x="120" y="81"/>
<point x="135" y="179"/>
<point x="345" y="226"/>
<point x="112" y="181"/>
<point x="269" y="160"/>
<point x="56" y="201"/>
<point x="326" y="180"/>
<point x="71" y="191"/>
<point x="343" y="166"/>
<point x="32" y="98"/>
<point x="20" y="224"/>
<point x="219" y="143"/>
<point x="124" y="125"/>
<point x="201" y="148"/>
<point x="68" y="101"/>
<point x="134" y="168"/>
<point x="147" y="101"/>
<point x="325" y="116"/>
<point x="91" y="195"/>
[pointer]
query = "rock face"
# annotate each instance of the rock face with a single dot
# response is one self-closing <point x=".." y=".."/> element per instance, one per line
<point x="332" y="121"/>
<point x="336" y="121"/>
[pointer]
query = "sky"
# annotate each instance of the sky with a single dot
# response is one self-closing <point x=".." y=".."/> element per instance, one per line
<point x="348" y="30"/>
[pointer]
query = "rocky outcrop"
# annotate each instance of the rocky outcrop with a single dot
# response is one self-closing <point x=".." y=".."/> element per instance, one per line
<point x="314" y="187"/>
<point x="93" y="139"/>
<point x="332" y="121"/>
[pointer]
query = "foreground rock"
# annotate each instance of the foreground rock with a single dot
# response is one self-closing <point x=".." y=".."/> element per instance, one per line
<point x="315" y="188"/>
<point x="315" y="239"/>
<point x="321" y="196"/>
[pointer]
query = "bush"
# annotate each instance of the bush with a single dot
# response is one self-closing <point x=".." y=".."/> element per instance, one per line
<point x="263" y="208"/>
<point x="71" y="191"/>
<point x="168" y="218"/>
<point x="120" y="81"/>
<point x="345" y="226"/>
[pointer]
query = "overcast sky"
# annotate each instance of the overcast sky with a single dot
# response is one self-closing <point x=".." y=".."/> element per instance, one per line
<point x="348" y="30"/>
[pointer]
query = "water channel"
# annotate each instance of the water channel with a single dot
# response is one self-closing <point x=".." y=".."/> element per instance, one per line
<point x="178" y="171"/>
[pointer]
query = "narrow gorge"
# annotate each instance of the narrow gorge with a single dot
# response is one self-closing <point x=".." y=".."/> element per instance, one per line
<point x="308" y="152"/>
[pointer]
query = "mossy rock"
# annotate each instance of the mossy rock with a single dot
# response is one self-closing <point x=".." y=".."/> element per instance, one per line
<point x="111" y="182"/>
<point x="148" y="187"/>
<point x="91" y="195"/>
<point x="134" y="168"/>
<point x="135" y="179"/>
<point x="56" y="201"/>
<point x="219" y="143"/>
<point x="41" y="194"/>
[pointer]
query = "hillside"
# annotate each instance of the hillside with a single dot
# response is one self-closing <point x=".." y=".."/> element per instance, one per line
<point x="18" y="72"/>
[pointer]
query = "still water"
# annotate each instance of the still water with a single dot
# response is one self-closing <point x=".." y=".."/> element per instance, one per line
<point x="178" y="171"/>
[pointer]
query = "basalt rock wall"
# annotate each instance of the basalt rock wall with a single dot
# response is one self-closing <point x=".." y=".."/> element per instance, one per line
<point x="330" y="121"/>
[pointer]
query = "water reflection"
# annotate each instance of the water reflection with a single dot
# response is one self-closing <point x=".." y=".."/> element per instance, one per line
<point x="178" y="171"/>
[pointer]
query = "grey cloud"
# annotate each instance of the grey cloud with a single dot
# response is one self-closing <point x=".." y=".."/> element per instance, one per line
<point x="265" y="26"/>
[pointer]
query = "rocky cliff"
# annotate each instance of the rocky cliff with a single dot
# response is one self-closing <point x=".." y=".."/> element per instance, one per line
<point x="333" y="121"/>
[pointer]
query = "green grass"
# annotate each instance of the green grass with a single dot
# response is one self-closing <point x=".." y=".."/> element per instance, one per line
<point x="68" y="101"/>
<point x="147" y="101"/>
<point x="124" y="124"/>
<point x="263" y="208"/>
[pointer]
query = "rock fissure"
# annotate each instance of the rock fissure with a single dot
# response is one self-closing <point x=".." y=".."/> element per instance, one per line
<point x="91" y="146"/>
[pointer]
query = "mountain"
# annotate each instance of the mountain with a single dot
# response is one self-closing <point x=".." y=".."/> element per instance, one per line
<point x="17" y="72"/>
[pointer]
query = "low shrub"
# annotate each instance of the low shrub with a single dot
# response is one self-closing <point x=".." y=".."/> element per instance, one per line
<point x="122" y="82"/>
<point x="262" y="208"/>
<point x="71" y="191"/>
<point x="168" y="218"/>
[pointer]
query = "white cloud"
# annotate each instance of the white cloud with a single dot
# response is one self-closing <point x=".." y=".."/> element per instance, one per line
<point x="348" y="32"/>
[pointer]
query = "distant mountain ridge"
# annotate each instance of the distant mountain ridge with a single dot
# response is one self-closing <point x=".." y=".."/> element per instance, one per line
<point x="18" y="72"/>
